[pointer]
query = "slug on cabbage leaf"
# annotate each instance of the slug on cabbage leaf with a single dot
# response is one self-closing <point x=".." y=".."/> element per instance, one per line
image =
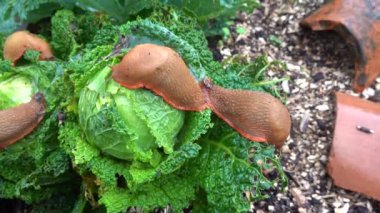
<point x="19" y="121"/>
<point x="17" y="43"/>
<point x="257" y="116"/>
<point x="163" y="71"/>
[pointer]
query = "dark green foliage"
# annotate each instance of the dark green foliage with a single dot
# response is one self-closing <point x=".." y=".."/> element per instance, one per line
<point x="64" y="24"/>
<point x="206" y="10"/>
<point x="227" y="167"/>
<point x="35" y="167"/>
<point x="121" y="10"/>
<point x="210" y="166"/>
<point x="220" y="12"/>
<point x="70" y="32"/>
<point x="15" y="12"/>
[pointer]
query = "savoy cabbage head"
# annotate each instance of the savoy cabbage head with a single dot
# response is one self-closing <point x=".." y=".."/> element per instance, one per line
<point x="128" y="124"/>
<point x="133" y="150"/>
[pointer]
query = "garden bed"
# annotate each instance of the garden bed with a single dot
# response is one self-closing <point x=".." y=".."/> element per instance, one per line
<point x="318" y="65"/>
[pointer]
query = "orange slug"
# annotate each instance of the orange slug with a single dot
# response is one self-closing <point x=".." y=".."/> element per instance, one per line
<point x="257" y="116"/>
<point x="17" y="43"/>
<point x="163" y="71"/>
<point x="19" y="121"/>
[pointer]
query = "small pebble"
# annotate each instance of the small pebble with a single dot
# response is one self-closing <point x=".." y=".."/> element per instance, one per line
<point x="323" y="107"/>
<point x="369" y="92"/>
<point x="285" y="149"/>
<point x="337" y="204"/>
<point x="305" y="121"/>
<point x="285" y="87"/>
<point x="312" y="158"/>
<point x="343" y="209"/>
<point x="321" y="124"/>
<point x="293" y="67"/>
<point x="298" y="196"/>
<point x="262" y="41"/>
<point x="358" y="209"/>
<point x="318" y="76"/>
<point x="323" y="158"/>
<point x="226" y="52"/>
<point x="302" y="210"/>
<point x="376" y="97"/>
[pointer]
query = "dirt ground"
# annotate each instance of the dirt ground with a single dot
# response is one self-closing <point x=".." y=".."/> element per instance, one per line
<point x="318" y="64"/>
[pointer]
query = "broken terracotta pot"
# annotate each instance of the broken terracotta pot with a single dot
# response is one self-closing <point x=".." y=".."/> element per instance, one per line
<point x="354" y="161"/>
<point x="358" y="21"/>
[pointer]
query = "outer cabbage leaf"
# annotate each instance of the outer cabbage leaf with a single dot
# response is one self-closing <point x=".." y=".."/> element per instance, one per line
<point x="15" y="12"/>
<point x="175" y="190"/>
<point x="7" y="25"/>
<point x="121" y="10"/>
<point x="227" y="168"/>
<point x="121" y="184"/>
<point x="201" y="10"/>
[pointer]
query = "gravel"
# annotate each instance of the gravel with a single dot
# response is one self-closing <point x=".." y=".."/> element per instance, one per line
<point x="318" y="65"/>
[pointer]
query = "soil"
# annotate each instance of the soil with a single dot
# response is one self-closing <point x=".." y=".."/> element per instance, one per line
<point x="318" y="64"/>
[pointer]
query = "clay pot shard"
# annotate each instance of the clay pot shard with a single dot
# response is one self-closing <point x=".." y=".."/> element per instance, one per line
<point x="163" y="71"/>
<point x="359" y="23"/>
<point x="354" y="161"/>
<point x="19" y="121"/>
<point x="17" y="43"/>
<point x="257" y="116"/>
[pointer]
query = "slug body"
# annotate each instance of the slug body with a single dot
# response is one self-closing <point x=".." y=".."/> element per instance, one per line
<point x="163" y="71"/>
<point x="19" y="121"/>
<point x="257" y="116"/>
<point x="17" y="43"/>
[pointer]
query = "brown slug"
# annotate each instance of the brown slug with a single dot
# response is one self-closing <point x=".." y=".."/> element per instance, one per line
<point x="163" y="71"/>
<point x="19" y="121"/>
<point x="17" y="43"/>
<point x="257" y="116"/>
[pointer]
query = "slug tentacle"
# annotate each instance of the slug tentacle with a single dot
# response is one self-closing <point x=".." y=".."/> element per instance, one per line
<point x="257" y="116"/>
<point x="17" y="43"/>
<point x="19" y="121"/>
<point x="163" y="71"/>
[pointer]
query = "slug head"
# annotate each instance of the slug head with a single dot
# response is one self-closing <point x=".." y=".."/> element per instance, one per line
<point x="162" y="70"/>
<point x="17" y="122"/>
<point x="139" y="64"/>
